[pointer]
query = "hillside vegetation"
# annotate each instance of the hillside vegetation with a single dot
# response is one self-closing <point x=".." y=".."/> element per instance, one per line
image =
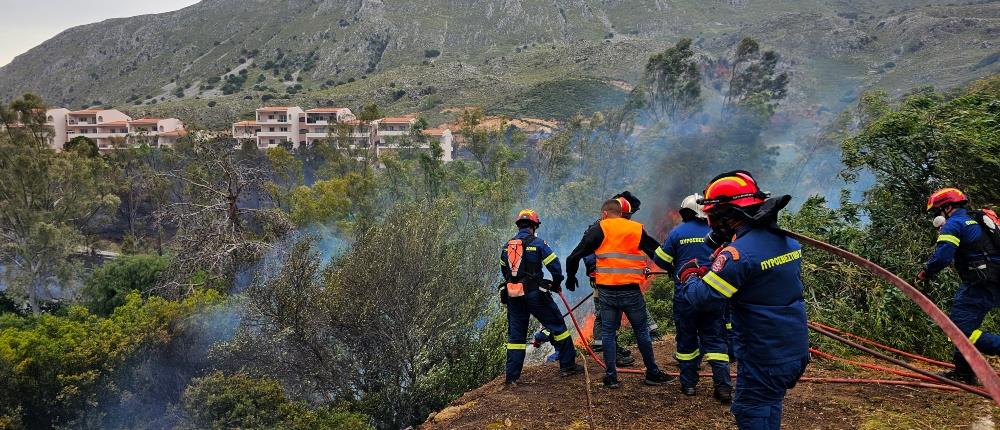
<point x="541" y="58"/>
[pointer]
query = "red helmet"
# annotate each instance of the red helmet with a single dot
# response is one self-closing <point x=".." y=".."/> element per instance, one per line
<point x="945" y="196"/>
<point x="528" y="215"/>
<point x="625" y="205"/>
<point x="735" y="188"/>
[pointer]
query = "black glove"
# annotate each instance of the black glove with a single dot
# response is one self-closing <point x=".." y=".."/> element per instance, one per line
<point x="571" y="283"/>
<point x="691" y="268"/>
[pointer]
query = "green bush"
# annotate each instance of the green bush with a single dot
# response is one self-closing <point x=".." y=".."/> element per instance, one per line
<point x="55" y="367"/>
<point x="220" y="401"/>
<point x="109" y="285"/>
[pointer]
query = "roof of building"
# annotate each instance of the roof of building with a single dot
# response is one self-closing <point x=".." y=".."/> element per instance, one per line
<point x="266" y="108"/>
<point x="245" y="123"/>
<point x="326" y="110"/>
<point x="85" y="111"/>
<point x="112" y="123"/>
<point x="145" y="121"/>
<point x="175" y="133"/>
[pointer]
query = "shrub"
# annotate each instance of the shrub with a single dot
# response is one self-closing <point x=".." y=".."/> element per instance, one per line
<point x="431" y="53"/>
<point x="108" y="285"/>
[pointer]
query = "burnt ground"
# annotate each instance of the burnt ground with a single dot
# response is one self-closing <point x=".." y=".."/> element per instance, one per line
<point x="543" y="400"/>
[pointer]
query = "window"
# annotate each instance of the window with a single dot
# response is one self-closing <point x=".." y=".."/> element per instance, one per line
<point x="270" y="117"/>
<point x="270" y="141"/>
<point x="51" y="119"/>
<point x="161" y="128"/>
<point x="302" y="119"/>
<point x="284" y="128"/>
<point x="270" y="129"/>
<point x="100" y="119"/>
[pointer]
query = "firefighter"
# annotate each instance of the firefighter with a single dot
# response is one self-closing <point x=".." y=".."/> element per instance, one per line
<point x="758" y="272"/>
<point x="624" y="356"/>
<point x="621" y="246"/>
<point x="526" y="293"/>
<point x="701" y="334"/>
<point x="970" y="240"/>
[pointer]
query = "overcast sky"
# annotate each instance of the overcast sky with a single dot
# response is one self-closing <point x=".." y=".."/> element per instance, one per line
<point x="27" y="23"/>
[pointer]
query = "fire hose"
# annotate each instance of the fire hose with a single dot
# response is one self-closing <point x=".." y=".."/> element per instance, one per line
<point x="982" y="369"/>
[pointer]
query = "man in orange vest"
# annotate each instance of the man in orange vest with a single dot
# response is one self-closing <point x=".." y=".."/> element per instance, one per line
<point x="621" y="247"/>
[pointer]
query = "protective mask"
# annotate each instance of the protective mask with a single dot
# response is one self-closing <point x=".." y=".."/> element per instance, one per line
<point x="939" y="221"/>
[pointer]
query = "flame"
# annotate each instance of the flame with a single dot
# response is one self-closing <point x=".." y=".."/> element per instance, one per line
<point x="586" y="331"/>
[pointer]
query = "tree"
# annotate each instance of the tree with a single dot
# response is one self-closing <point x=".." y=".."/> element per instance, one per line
<point x="24" y="119"/>
<point x="109" y="285"/>
<point x="673" y="82"/>
<point x="47" y="199"/>
<point x="83" y="145"/>
<point x="224" y="216"/>
<point x="755" y="75"/>
<point x="369" y="113"/>
<point x="316" y="327"/>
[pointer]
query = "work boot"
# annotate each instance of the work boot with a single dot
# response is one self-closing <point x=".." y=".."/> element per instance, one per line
<point x="624" y="361"/>
<point x="624" y="352"/>
<point x="964" y="377"/>
<point x="596" y="347"/>
<point x="655" y="334"/>
<point x="611" y="382"/>
<point x="657" y="378"/>
<point x="576" y="369"/>
<point x="688" y="391"/>
<point x="509" y="385"/>
<point x="723" y="394"/>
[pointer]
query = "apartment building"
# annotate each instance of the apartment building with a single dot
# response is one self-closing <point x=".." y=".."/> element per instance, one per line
<point x="108" y="126"/>
<point x="291" y="126"/>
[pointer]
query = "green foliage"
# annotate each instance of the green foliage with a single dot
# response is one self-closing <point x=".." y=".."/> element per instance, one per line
<point x="674" y="81"/>
<point x="109" y="285"/>
<point x="53" y="366"/>
<point x="83" y="145"/>
<point x="47" y="199"/>
<point x="565" y="98"/>
<point x="431" y="53"/>
<point x="219" y="401"/>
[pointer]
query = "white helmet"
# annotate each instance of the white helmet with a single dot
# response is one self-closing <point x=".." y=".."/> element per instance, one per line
<point x="691" y="203"/>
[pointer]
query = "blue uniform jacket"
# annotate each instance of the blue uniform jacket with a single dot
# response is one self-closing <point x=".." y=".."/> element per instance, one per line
<point x="959" y="229"/>
<point x="536" y="254"/>
<point x="760" y="273"/>
<point x="684" y="242"/>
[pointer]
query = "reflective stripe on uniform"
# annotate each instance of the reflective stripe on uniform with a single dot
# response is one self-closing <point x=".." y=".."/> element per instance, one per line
<point x="552" y="257"/>
<point x="687" y="357"/>
<point x="719" y="284"/>
<point x="971" y="222"/>
<point x="975" y="336"/>
<point x="517" y="346"/>
<point x="664" y="256"/>
<point x="729" y="326"/>
<point x="620" y="255"/>
<point x="503" y="262"/>
<point x="620" y="271"/>
<point x="716" y="356"/>
<point x="561" y="336"/>
<point x="949" y="238"/>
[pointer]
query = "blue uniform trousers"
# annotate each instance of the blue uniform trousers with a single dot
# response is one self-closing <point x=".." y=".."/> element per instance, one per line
<point x="968" y="310"/>
<point x="701" y="334"/>
<point x="544" y="309"/>
<point x="760" y="390"/>
<point x="614" y="302"/>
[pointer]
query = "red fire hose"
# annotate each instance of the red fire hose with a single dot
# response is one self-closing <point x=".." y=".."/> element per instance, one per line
<point x="883" y="347"/>
<point x="983" y="370"/>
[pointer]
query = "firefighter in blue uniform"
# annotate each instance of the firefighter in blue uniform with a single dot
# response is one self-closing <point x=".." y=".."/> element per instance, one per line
<point x="758" y="272"/>
<point x="967" y="238"/>
<point x="701" y="333"/>
<point x="521" y="262"/>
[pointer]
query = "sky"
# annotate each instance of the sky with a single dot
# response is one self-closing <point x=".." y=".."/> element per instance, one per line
<point x="27" y="23"/>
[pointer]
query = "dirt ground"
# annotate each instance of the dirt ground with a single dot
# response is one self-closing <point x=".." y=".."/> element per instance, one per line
<point x="543" y="400"/>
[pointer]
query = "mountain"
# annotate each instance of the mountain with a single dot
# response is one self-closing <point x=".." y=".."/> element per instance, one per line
<point x="548" y="58"/>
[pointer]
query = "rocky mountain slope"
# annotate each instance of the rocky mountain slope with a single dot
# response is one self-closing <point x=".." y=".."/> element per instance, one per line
<point x="546" y="58"/>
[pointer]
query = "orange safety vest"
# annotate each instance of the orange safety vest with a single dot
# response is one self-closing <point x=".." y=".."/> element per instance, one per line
<point x="619" y="260"/>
